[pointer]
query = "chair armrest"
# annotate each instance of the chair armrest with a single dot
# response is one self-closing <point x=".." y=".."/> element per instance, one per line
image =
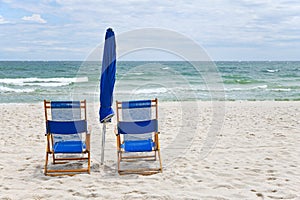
<point x="116" y="131"/>
<point x="89" y="131"/>
<point x="88" y="138"/>
<point x="157" y="140"/>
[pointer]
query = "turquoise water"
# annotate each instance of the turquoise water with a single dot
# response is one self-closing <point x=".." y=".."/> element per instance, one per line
<point x="33" y="81"/>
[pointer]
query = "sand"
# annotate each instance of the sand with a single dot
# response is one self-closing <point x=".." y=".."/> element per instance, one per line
<point x="225" y="150"/>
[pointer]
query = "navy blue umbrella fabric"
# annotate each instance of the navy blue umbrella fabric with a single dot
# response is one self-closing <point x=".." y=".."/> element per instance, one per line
<point x="108" y="73"/>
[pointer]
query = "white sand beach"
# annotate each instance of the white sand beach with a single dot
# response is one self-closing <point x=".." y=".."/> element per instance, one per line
<point x="253" y="154"/>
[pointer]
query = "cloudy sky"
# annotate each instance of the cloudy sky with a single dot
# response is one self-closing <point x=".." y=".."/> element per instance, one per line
<point x="226" y="29"/>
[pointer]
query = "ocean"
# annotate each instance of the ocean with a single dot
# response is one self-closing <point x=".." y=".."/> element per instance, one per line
<point x="34" y="81"/>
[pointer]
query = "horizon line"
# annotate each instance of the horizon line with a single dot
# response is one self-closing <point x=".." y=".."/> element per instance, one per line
<point x="69" y="60"/>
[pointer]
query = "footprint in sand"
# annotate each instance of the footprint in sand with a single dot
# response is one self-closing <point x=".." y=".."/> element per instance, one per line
<point x="271" y="179"/>
<point x="260" y="195"/>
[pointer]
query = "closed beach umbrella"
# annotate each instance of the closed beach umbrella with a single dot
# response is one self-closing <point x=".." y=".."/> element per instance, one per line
<point x="107" y="83"/>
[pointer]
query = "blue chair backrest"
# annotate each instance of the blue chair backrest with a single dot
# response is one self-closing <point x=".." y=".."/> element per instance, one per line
<point x="66" y="121"/>
<point x="136" y="110"/>
<point x="65" y="110"/>
<point x="139" y="127"/>
<point x="136" y="120"/>
<point x="68" y="127"/>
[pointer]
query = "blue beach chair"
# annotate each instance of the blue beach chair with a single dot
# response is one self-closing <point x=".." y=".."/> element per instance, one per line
<point x="68" y="139"/>
<point x="137" y="135"/>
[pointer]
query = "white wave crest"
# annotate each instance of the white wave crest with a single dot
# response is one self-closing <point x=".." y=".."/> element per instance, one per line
<point x="247" y="88"/>
<point x="43" y="82"/>
<point x="151" y="91"/>
<point x="14" y="90"/>
<point x="272" y="70"/>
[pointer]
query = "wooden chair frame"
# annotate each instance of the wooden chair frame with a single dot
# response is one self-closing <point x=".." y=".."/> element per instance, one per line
<point x="154" y="154"/>
<point x="56" y="160"/>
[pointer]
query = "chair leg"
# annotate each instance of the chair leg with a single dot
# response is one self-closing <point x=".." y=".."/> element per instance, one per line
<point x="70" y="172"/>
<point x="119" y="160"/>
<point x="46" y="164"/>
<point x="53" y="158"/>
<point x="143" y="171"/>
<point x="89" y="162"/>
<point x="160" y="163"/>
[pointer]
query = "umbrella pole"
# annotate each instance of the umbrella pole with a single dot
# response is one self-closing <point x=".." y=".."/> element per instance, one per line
<point x="103" y="142"/>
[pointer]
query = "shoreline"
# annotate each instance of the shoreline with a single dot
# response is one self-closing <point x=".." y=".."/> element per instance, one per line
<point x="168" y="101"/>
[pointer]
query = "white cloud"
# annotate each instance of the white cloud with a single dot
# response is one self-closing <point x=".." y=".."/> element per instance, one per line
<point x="215" y="24"/>
<point x="3" y="21"/>
<point x="16" y="49"/>
<point x="35" y="18"/>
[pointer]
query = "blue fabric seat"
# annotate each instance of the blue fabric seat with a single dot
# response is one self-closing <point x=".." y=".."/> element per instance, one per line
<point x="138" y="145"/>
<point x="69" y="147"/>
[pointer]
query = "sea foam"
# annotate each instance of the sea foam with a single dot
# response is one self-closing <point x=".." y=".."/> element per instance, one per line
<point x="43" y="82"/>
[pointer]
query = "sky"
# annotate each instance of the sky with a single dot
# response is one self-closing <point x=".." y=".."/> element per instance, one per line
<point x="226" y="29"/>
